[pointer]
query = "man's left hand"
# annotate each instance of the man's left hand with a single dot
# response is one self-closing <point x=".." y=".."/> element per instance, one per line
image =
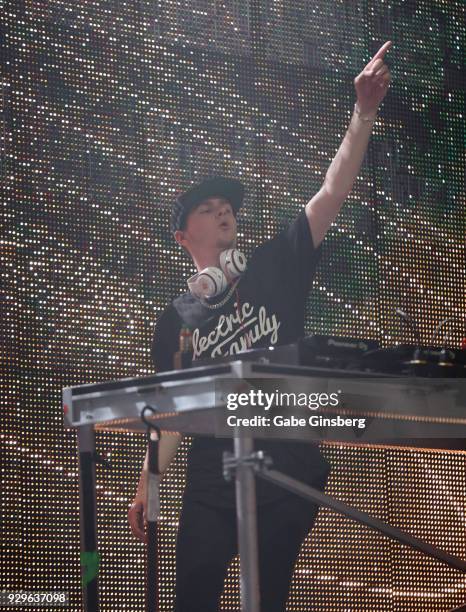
<point x="372" y="83"/>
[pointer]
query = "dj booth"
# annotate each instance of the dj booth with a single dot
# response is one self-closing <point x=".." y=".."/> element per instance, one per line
<point x="359" y="393"/>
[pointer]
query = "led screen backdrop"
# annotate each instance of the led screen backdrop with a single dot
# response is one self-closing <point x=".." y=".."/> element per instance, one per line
<point x="109" y="109"/>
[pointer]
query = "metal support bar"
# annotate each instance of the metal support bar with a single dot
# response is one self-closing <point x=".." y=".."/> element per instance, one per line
<point x="286" y="482"/>
<point x="246" y="513"/>
<point x="87" y="511"/>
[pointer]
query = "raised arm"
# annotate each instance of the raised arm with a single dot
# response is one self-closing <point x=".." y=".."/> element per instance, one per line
<point x="371" y="86"/>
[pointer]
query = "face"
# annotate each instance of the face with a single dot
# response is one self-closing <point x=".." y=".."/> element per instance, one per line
<point x="211" y="226"/>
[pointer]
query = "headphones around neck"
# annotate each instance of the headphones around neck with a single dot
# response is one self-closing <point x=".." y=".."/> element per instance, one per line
<point x="213" y="281"/>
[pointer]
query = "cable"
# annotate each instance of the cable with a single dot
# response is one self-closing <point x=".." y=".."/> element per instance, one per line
<point x="411" y="324"/>
<point x="149" y="424"/>
<point x="442" y="324"/>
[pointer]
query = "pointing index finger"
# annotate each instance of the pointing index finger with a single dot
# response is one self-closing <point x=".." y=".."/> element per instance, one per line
<point x="381" y="52"/>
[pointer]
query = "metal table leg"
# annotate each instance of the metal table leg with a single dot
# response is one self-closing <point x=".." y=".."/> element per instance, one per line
<point x="87" y="513"/>
<point x="246" y="512"/>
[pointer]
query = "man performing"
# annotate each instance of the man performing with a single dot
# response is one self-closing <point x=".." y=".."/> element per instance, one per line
<point x="233" y="305"/>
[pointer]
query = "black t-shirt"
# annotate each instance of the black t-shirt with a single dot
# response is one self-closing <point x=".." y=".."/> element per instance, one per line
<point x="272" y="295"/>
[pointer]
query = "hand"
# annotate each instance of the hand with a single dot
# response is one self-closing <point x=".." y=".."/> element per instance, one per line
<point x="372" y="83"/>
<point x="137" y="517"/>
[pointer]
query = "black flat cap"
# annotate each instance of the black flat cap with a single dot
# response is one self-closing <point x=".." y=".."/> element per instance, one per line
<point x="229" y="188"/>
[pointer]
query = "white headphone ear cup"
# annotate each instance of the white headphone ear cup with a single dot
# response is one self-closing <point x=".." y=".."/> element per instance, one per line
<point x="233" y="263"/>
<point x="208" y="283"/>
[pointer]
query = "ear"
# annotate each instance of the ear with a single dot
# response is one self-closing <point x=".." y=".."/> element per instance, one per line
<point x="179" y="237"/>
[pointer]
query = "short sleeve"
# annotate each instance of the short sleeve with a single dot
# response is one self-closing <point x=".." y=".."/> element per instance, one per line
<point x="301" y="256"/>
<point x="165" y="341"/>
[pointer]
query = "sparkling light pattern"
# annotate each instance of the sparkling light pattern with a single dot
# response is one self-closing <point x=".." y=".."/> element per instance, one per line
<point x="110" y="108"/>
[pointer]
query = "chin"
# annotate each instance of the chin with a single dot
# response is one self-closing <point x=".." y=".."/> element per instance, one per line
<point x="227" y="244"/>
